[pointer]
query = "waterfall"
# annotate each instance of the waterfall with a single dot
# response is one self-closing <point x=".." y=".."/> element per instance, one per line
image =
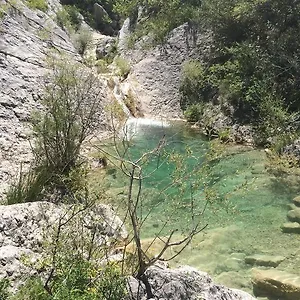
<point x="134" y="126"/>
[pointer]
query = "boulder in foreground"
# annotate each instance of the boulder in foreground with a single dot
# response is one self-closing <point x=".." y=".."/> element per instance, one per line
<point x="185" y="283"/>
<point x="280" y="284"/>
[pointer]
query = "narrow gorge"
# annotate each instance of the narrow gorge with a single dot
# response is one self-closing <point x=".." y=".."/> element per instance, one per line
<point x="143" y="185"/>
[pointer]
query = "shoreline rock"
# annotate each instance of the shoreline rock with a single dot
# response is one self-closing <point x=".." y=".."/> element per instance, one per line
<point x="185" y="283"/>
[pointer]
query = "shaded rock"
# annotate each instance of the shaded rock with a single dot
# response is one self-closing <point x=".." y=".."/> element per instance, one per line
<point x="264" y="260"/>
<point x="105" y="47"/>
<point x="294" y="215"/>
<point x="102" y="19"/>
<point x="296" y="201"/>
<point x="278" y="284"/>
<point x="291" y="227"/>
<point x="188" y="283"/>
<point x="293" y="149"/>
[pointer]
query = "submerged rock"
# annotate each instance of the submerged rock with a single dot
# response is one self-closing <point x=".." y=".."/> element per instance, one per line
<point x="291" y="227"/>
<point x="264" y="260"/>
<point x="187" y="283"/>
<point x="278" y="284"/>
<point x="296" y="201"/>
<point x="294" y="215"/>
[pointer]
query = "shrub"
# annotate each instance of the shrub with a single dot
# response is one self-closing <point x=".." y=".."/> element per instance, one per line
<point x="38" y="4"/>
<point x="68" y="18"/>
<point x="72" y="107"/>
<point x="4" y="285"/>
<point x="101" y="66"/>
<point x="192" y="84"/>
<point x="123" y="66"/>
<point x="194" y="113"/>
<point x="29" y="186"/>
<point x="83" y="39"/>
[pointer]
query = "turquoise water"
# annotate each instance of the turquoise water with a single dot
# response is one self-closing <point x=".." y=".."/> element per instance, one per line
<point x="241" y="204"/>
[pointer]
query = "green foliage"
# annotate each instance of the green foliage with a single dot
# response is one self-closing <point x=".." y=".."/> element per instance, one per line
<point x="29" y="186"/>
<point x="33" y="289"/>
<point x="4" y="293"/>
<point x="38" y="4"/>
<point x="158" y="17"/>
<point x="68" y="18"/>
<point x="71" y="114"/>
<point x="83" y="39"/>
<point x="86" y="9"/>
<point x="102" y="66"/>
<point x="123" y="66"/>
<point x="71" y="102"/>
<point x="77" y="280"/>
<point x="249" y="70"/>
<point x="194" y="112"/>
<point x="193" y="84"/>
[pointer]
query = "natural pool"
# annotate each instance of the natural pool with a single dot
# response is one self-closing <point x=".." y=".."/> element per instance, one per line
<point x="246" y="206"/>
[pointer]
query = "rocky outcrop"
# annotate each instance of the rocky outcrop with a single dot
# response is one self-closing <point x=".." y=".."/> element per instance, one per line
<point x="26" y="37"/>
<point x="184" y="283"/>
<point x="278" y="284"/>
<point x="25" y="227"/>
<point x="155" y="73"/>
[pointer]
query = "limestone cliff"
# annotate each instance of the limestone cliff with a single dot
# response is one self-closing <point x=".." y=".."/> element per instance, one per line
<point x="155" y="73"/>
<point x="27" y="36"/>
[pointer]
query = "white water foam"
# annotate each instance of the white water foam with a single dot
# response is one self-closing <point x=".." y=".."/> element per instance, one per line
<point x="136" y="126"/>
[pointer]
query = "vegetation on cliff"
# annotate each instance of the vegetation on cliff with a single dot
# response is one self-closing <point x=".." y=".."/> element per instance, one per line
<point x="253" y="66"/>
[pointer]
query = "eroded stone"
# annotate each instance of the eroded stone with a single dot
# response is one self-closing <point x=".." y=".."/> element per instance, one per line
<point x="291" y="227"/>
<point x="264" y="260"/>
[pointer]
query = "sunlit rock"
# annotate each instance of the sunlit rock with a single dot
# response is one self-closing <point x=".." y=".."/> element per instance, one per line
<point x="294" y="215"/>
<point x="291" y="227"/>
<point x="279" y="284"/>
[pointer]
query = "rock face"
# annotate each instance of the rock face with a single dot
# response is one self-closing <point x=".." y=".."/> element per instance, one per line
<point x="186" y="283"/>
<point x="277" y="284"/>
<point x="24" y="227"/>
<point x="26" y="36"/>
<point x="155" y="74"/>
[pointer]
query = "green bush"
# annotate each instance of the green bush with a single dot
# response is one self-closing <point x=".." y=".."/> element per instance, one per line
<point x="38" y="4"/>
<point x="76" y="280"/>
<point x="193" y="84"/>
<point x="33" y="289"/>
<point x="83" y="40"/>
<point x="68" y="18"/>
<point x="4" y="293"/>
<point x="123" y="66"/>
<point x="194" y="113"/>
<point x="29" y="186"/>
<point x="102" y="66"/>
<point x="72" y="107"/>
